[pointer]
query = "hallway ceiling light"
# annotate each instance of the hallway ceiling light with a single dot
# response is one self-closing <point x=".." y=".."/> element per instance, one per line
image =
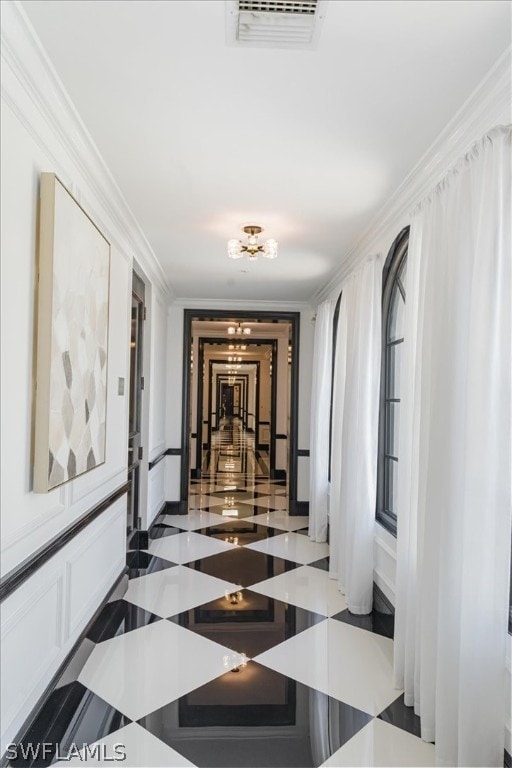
<point x="238" y="330"/>
<point x="236" y="249"/>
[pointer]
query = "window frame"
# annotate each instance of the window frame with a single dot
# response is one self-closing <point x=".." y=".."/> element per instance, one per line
<point x="392" y="267"/>
<point x="335" y="319"/>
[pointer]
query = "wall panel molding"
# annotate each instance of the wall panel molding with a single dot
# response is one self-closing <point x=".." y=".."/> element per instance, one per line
<point x="23" y="571"/>
<point x="45" y="615"/>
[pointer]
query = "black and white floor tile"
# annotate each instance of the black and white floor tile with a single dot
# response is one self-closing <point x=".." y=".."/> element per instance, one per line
<point x="232" y="647"/>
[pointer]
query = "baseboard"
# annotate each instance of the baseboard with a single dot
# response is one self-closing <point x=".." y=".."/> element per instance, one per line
<point x="298" y="508"/>
<point x="116" y="592"/>
<point x="176" y="507"/>
<point x="140" y="539"/>
<point x="195" y="474"/>
<point x="262" y="447"/>
<point x="278" y="474"/>
<point x="381" y="602"/>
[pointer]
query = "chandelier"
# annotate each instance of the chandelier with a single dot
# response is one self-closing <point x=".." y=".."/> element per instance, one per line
<point x="237" y="330"/>
<point x="236" y="249"/>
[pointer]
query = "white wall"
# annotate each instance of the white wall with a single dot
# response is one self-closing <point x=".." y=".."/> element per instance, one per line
<point x="155" y="390"/>
<point x="43" y="618"/>
<point x="175" y="327"/>
<point x="307" y="333"/>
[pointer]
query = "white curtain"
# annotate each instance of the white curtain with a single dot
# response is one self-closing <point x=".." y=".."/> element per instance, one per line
<point x="320" y="419"/>
<point x="454" y="495"/>
<point x="355" y="435"/>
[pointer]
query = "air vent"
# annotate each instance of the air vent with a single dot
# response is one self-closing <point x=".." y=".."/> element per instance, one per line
<point x="274" y="23"/>
<point x="278" y="6"/>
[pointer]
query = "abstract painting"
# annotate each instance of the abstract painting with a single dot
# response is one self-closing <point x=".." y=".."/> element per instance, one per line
<point x="72" y="339"/>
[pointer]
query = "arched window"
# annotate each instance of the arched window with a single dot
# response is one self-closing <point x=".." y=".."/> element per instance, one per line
<point x="334" y="340"/>
<point x="393" y="306"/>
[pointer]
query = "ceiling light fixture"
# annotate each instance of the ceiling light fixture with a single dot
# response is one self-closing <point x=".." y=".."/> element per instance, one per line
<point x="236" y="249"/>
<point x="237" y="330"/>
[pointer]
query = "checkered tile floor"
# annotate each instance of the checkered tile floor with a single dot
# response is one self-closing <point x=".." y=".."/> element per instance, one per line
<point x="232" y="647"/>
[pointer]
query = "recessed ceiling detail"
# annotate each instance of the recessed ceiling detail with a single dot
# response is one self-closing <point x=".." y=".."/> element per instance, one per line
<point x="274" y="23"/>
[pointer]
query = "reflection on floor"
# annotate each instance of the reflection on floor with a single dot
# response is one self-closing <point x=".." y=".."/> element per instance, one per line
<point x="232" y="647"/>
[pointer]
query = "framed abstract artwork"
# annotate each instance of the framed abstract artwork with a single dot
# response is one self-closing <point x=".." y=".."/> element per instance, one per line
<point x="72" y="340"/>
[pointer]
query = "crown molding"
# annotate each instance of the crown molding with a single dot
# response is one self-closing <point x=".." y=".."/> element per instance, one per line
<point x="34" y="91"/>
<point x="487" y="106"/>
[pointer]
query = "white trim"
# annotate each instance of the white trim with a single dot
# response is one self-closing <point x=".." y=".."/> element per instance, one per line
<point x="24" y="56"/>
<point x="245" y="304"/>
<point x="487" y="106"/>
<point x="385" y="585"/>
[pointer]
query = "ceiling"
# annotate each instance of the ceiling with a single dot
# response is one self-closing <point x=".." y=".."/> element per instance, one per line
<point x="203" y="137"/>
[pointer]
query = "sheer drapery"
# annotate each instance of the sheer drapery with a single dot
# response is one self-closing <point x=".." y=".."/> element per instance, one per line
<point x="355" y="435"/>
<point x="320" y="418"/>
<point x="454" y="495"/>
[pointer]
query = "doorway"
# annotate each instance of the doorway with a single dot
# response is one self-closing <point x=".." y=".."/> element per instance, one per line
<point x="135" y="404"/>
<point x="240" y="382"/>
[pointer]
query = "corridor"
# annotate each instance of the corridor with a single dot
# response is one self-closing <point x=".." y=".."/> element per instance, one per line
<point x="231" y="646"/>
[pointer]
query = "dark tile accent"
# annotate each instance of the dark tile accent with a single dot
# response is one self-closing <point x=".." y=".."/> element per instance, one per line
<point x="220" y="703"/>
<point x="253" y="696"/>
<point x="159" y="530"/>
<point x="119" y="618"/>
<point x="243" y="508"/>
<point x="71" y="715"/>
<point x="380" y="623"/>
<point x="245" y="532"/>
<point x="507" y="760"/>
<point x="176" y="507"/>
<point x="266" y="622"/>
<point x="323" y="564"/>
<point x="138" y="540"/>
<point x="239" y="493"/>
<point x="142" y="563"/>
<point x="298" y="507"/>
<point x="349" y="719"/>
<point x="402" y="717"/>
<point x="243" y="566"/>
<point x="302" y="531"/>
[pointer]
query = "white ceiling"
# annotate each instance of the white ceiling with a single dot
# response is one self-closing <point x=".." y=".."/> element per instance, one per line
<point x="203" y="137"/>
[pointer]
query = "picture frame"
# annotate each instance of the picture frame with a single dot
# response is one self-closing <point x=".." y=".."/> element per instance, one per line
<point x="72" y="339"/>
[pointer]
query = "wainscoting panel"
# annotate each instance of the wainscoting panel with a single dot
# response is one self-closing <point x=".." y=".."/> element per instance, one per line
<point x="385" y="562"/>
<point x="156" y="490"/>
<point x="302" y="478"/>
<point x="42" y="619"/>
<point x="172" y="477"/>
<point x="31" y="641"/>
<point x="94" y="566"/>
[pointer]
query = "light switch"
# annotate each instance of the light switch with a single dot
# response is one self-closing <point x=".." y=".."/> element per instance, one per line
<point x="120" y="386"/>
